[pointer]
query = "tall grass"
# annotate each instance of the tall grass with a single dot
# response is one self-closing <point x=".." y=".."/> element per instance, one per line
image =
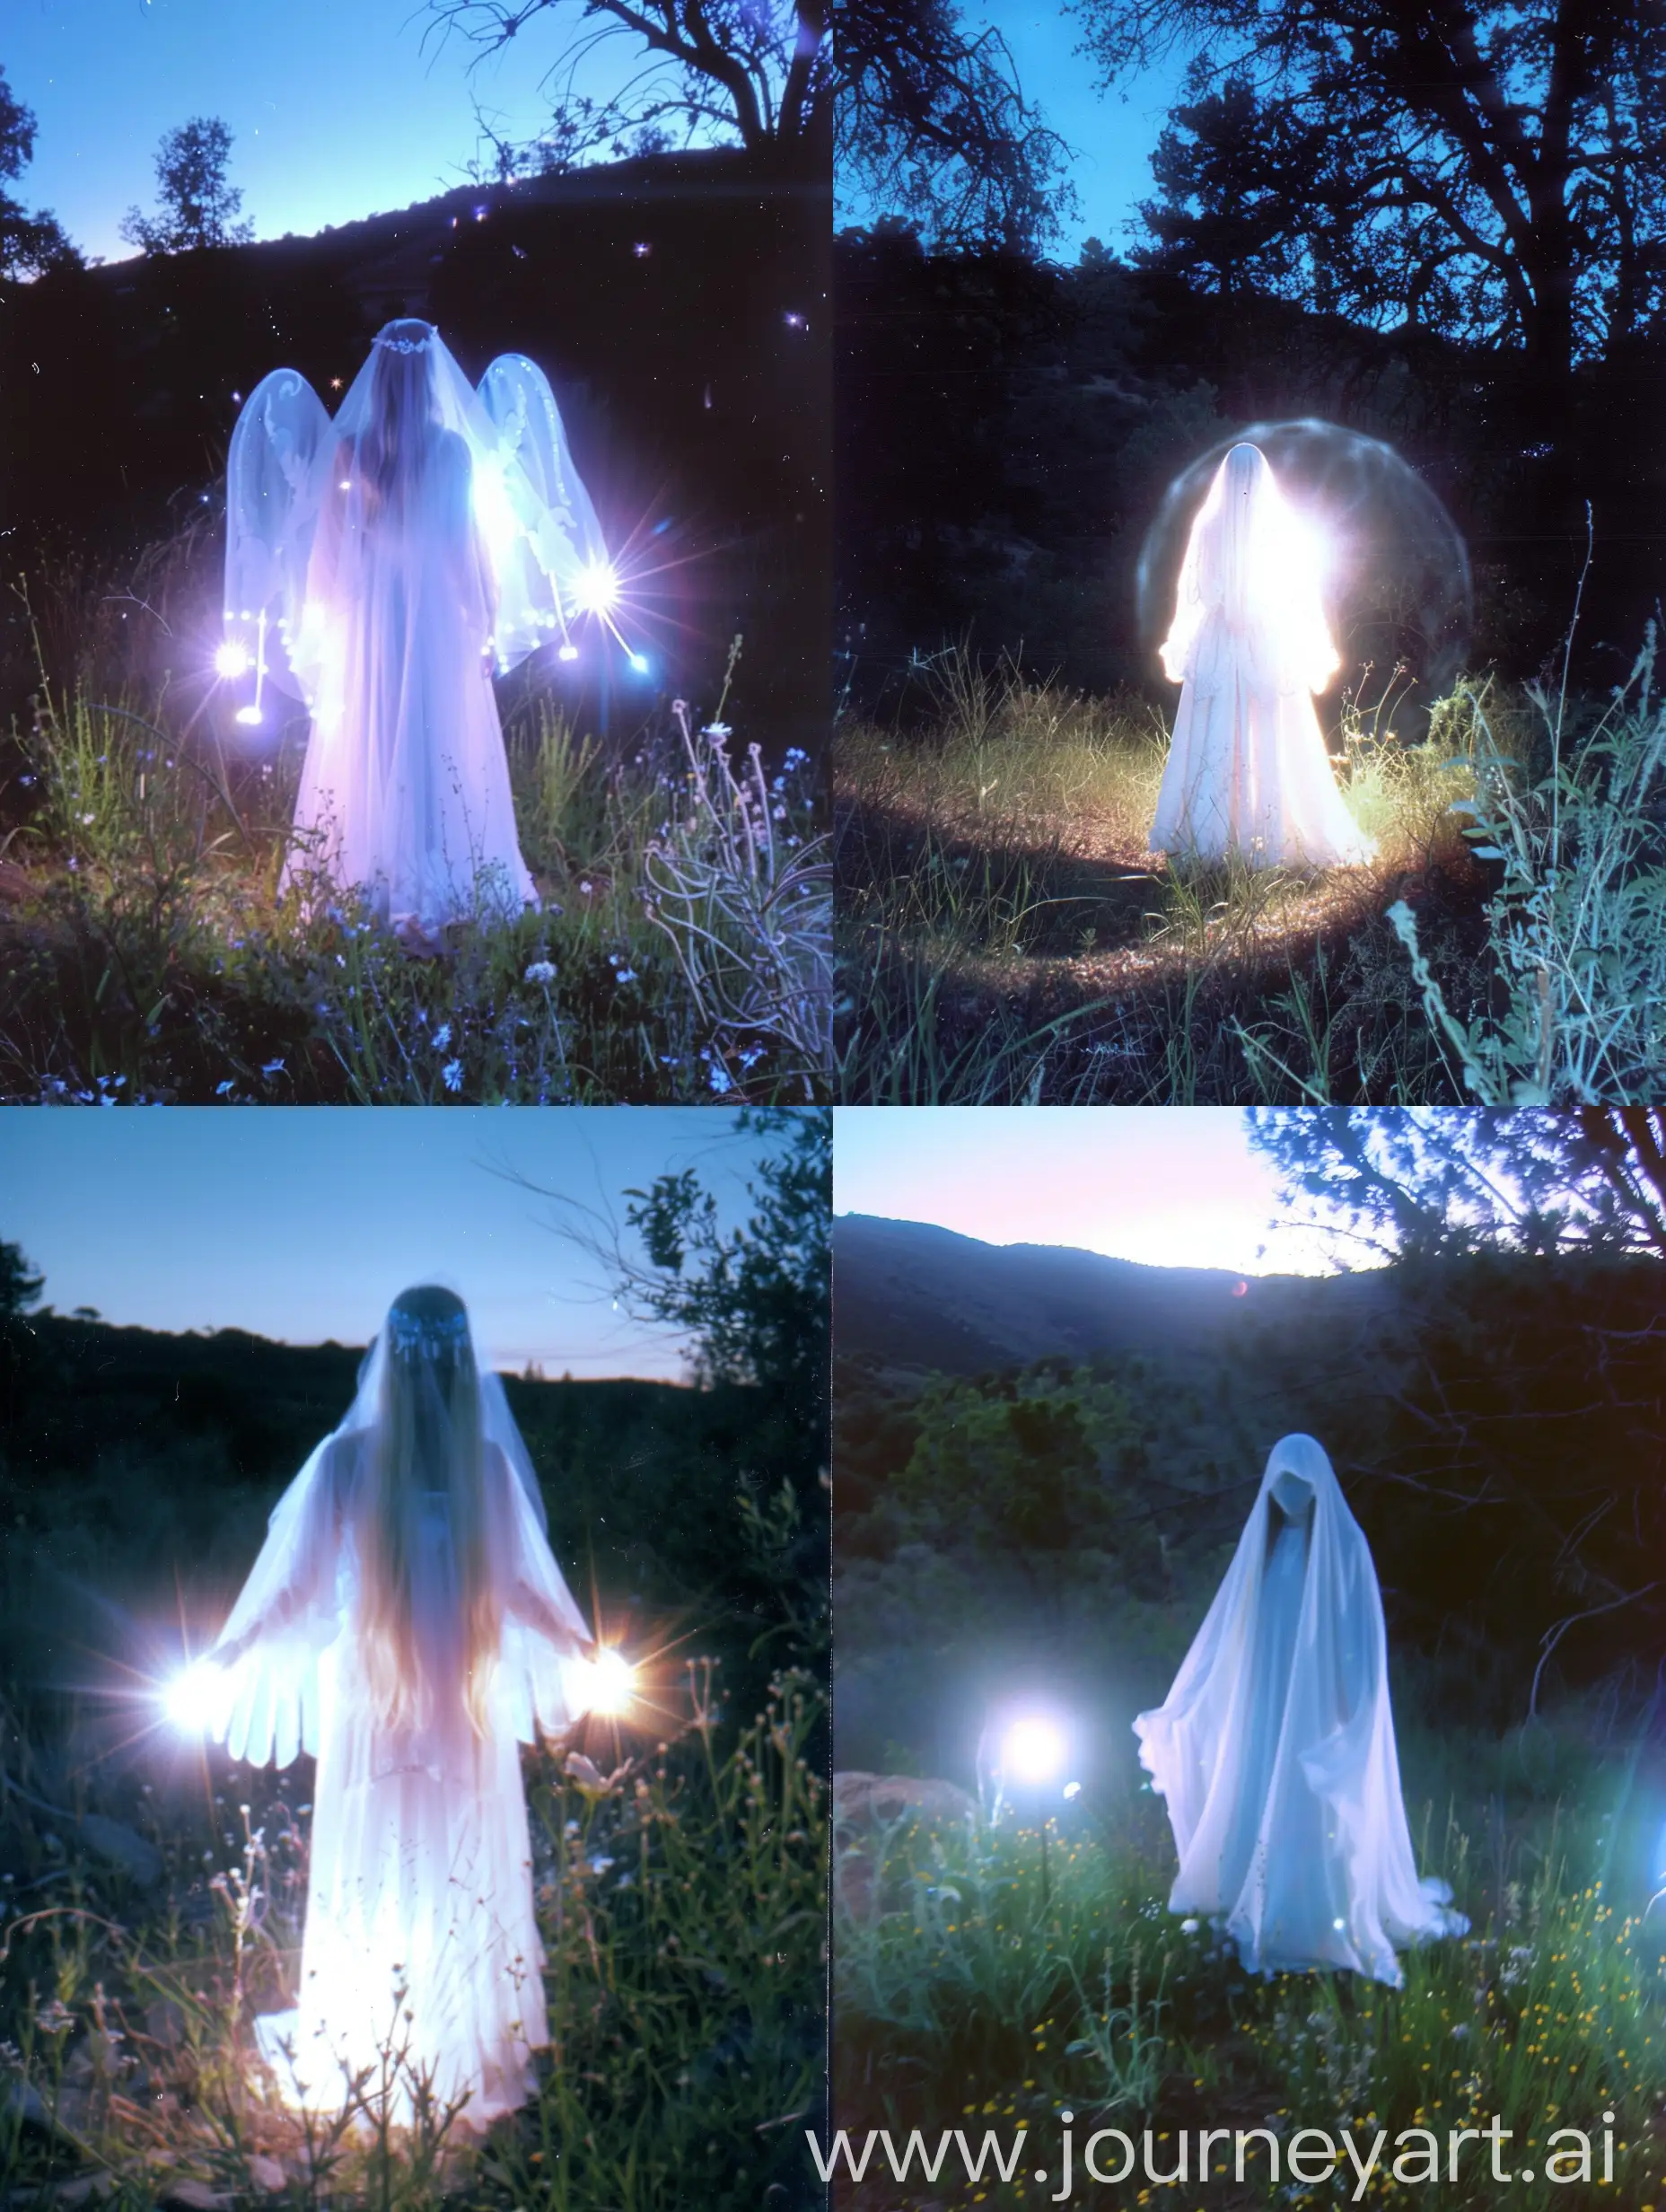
<point x="997" y="1986"/>
<point x="1003" y="933"/>
<point x="147" y="954"/>
<point x="680" y="1899"/>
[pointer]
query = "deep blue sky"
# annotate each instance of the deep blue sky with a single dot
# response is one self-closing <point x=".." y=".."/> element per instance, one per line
<point x="1112" y="139"/>
<point x="303" y="1222"/>
<point x="336" y="110"/>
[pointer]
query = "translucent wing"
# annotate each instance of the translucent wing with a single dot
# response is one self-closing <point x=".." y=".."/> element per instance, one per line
<point x="536" y="1683"/>
<point x="567" y="537"/>
<point x="280" y="450"/>
<point x="290" y="1610"/>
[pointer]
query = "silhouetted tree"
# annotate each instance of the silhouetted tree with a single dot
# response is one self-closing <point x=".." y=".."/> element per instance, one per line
<point x="1410" y="1182"/>
<point x="1493" y="169"/>
<point x="754" y="72"/>
<point x="29" y="244"/>
<point x="198" y="201"/>
<point x="932" y="127"/>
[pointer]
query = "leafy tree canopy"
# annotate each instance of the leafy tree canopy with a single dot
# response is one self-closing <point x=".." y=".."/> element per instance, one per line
<point x="1501" y="176"/>
<point x="198" y="203"/>
<point x="29" y="244"/>
<point x="1419" y="1180"/>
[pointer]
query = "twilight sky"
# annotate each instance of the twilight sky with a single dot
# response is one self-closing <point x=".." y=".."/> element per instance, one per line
<point x="336" y="110"/>
<point x="1173" y="1186"/>
<point x="303" y="1223"/>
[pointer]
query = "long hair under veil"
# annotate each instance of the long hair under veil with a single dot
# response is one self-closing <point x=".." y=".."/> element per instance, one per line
<point x="428" y="1439"/>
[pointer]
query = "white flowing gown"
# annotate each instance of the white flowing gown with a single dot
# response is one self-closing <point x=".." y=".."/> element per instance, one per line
<point x="1275" y="1749"/>
<point x="421" y="1877"/>
<point x="382" y="568"/>
<point x="1247" y="770"/>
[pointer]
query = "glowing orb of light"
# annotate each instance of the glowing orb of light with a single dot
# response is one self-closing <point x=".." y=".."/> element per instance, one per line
<point x="609" y="1682"/>
<point x="232" y="660"/>
<point x="1072" y="1790"/>
<point x="597" y="588"/>
<point x="192" y="1699"/>
<point x="567" y="652"/>
<point x="250" y="717"/>
<point x="1032" y="1750"/>
<point x="639" y="661"/>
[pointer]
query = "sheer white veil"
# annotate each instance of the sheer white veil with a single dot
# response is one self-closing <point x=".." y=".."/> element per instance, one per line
<point x="1336" y="1736"/>
<point x="1251" y="564"/>
<point x="299" y="1594"/>
<point x="315" y="509"/>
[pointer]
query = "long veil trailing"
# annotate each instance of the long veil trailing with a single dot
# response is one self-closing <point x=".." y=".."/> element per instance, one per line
<point x="1275" y="1750"/>
<point x="420" y="1873"/>
<point x="379" y="569"/>
<point x="1247" y="768"/>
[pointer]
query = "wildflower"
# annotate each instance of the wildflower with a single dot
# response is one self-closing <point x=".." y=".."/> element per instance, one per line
<point x="273" y="1067"/>
<point x="542" y="972"/>
<point x="796" y="755"/>
<point x="89" y="818"/>
<point x="626" y="975"/>
<point x="587" y="888"/>
<point x="442" y="1036"/>
<point x="717" y="732"/>
<point x="719" y="1077"/>
<point x="452" y="1074"/>
<point x="220" y="1089"/>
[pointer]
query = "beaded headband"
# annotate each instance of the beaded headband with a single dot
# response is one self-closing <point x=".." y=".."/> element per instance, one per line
<point x="412" y="1332"/>
<point x="402" y="345"/>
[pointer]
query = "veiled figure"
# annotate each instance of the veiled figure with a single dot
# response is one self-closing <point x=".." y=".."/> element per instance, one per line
<point x="1275" y="1750"/>
<point x="406" y="1623"/>
<point x="1247" y="770"/>
<point x="382" y="568"/>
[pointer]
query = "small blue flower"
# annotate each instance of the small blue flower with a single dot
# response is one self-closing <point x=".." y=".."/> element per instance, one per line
<point x="273" y="1067"/>
<point x="452" y="1074"/>
<point x="220" y="1089"/>
<point x="542" y="972"/>
<point x="442" y="1036"/>
<point x="719" y="1077"/>
<point x="626" y="974"/>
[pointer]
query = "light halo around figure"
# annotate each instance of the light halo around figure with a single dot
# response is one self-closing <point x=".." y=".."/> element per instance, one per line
<point x="1392" y="563"/>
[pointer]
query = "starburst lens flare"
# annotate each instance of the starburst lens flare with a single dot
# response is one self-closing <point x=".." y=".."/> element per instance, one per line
<point x="192" y="1699"/>
<point x="596" y="588"/>
<point x="1032" y="1750"/>
<point x="232" y="660"/>
<point x="608" y="1683"/>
